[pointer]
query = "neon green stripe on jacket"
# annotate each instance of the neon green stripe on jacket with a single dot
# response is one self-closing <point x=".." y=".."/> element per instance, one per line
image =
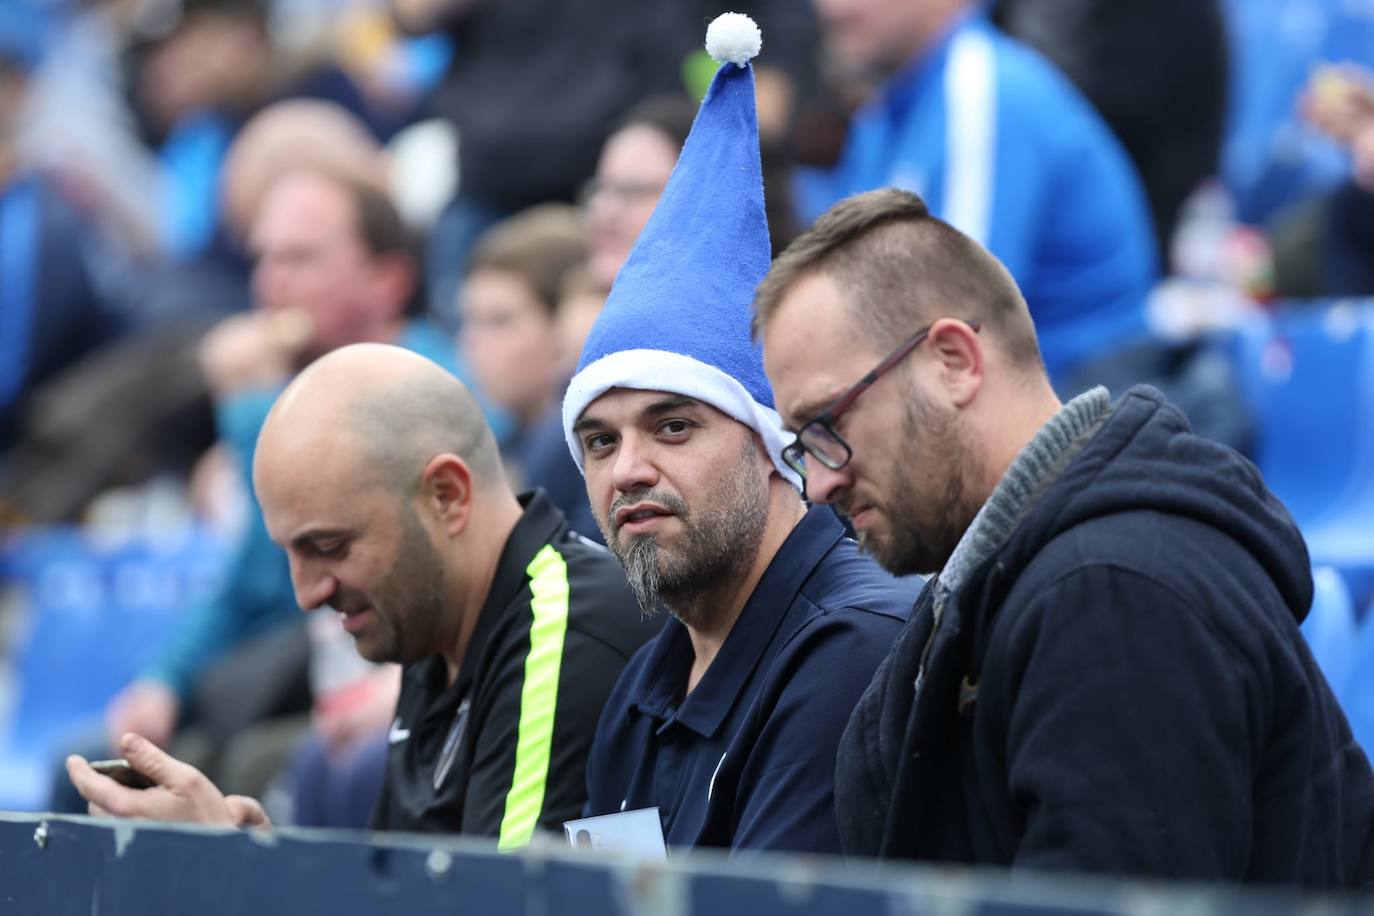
<point x="548" y="574"/>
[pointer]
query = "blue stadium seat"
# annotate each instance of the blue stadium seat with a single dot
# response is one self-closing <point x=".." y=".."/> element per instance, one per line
<point x="89" y="615"/>
<point x="1330" y="628"/>
<point x="1357" y="697"/>
<point x="1308" y="376"/>
<point x="1297" y="372"/>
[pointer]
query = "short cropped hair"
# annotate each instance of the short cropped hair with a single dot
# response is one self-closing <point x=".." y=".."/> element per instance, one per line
<point x="902" y="268"/>
<point x="377" y="221"/>
<point x="539" y="245"/>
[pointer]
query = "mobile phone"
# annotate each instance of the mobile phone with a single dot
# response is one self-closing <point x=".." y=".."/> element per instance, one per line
<point x="120" y="771"/>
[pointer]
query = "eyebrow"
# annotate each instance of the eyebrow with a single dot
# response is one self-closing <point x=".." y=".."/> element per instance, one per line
<point x="586" y="423"/>
<point x="669" y="404"/>
<point x="663" y="405"/>
<point x="809" y="410"/>
<point x="308" y="538"/>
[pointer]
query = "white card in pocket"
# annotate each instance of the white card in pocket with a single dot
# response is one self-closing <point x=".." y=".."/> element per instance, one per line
<point x="637" y="834"/>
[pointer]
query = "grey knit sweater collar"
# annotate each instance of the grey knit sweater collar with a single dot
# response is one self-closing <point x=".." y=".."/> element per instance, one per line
<point x="1037" y="466"/>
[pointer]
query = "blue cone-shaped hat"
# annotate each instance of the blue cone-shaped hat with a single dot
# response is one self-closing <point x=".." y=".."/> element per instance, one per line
<point x="678" y="316"/>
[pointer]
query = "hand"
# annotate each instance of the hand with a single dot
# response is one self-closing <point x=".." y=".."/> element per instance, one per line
<point x="253" y="350"/>
<point x="181" y="794"/>
<point x="247" y="812"/>
<point x="146" y="707"/>
<point x="1339" y="101"/>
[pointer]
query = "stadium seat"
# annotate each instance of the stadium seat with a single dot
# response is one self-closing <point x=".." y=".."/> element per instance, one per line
<point x="1330" y="628"/>
<point x="1357" y="697"/>
<point x="1307" y="374"/>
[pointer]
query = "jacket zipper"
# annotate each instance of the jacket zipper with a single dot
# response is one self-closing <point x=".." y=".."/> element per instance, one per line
<point x="937" y="614"/>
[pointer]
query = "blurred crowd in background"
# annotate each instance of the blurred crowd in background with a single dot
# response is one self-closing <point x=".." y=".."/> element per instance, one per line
<point x="198" y="197"/>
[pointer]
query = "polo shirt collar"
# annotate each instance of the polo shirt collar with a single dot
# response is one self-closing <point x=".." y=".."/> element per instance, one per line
<point x="658" y="691"/>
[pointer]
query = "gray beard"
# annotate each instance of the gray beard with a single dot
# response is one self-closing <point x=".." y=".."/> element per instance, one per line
<point x="641" y="568"/>
<point x="688" y="593"/>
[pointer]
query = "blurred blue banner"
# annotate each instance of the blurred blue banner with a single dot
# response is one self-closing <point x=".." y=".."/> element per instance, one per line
<point x="84" y="615"/>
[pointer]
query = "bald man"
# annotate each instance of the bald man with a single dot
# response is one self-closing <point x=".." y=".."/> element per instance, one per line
<point x="332" y="269"/>
<point x="380" y="478"/>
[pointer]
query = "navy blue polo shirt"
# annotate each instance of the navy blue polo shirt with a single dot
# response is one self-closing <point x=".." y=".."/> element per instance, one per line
<point x="747" y="759"/>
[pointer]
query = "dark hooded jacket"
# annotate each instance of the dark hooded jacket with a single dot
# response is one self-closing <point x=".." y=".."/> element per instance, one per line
<point x="1117" y="683"/>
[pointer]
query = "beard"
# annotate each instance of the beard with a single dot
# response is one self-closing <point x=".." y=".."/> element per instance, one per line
<point x="719" y="542"/>
<point x="640" y="561"/>
<point x="926" y="527"/>
<point x="408" y="602"/>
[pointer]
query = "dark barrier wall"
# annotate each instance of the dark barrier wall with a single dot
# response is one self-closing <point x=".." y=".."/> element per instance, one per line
<point x="61" y="866"/>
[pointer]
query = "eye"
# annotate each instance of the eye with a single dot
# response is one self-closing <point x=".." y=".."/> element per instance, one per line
<point x="330" y="550"/>
<point x="597" y="442"/>
<point x="675" y="428"/>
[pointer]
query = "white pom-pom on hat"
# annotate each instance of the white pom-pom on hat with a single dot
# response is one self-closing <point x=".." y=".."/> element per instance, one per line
<point x="733" y="37"/>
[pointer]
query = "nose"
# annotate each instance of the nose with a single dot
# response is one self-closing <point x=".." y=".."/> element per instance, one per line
<point x="822" y="484"/>
<point x="314" y="587"/>
<point x="634" y="468"/>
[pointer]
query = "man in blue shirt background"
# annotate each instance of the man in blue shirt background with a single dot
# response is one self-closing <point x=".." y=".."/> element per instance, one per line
<point x="729" y="720"/>
<point x="1002" y="146"/>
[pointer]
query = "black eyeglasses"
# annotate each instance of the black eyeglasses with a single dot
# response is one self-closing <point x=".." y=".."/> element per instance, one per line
<point x="818" y="436"/>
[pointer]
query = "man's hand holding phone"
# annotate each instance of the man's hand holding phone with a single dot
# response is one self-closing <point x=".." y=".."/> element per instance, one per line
<point x="120" y="771"/>
<point x="179" y="792"/>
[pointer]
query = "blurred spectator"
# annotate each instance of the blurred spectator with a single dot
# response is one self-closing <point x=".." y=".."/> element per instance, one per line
<point x="286" y="135"/>
<point x="580" y="301"/>
<point x="1325" y="245"/>
<point x="1002" y="146"/>
<point x="77" y="125"/>
<point x="54" y="306"/>
<point x="196" y="79"/>
<point x="296" y="132"/>
<point x="141" y="406"/>
<point x="635" y="162"/>
<point x="535" y="86"/>
<point x="633" y="169"/>
<point x="1172" y="123"/>
<point x="533" y="89"/>
<point x="508" y="303"/>
<point x="1271" y="159"/>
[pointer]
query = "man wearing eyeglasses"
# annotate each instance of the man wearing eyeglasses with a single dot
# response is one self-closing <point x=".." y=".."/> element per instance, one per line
<point x="1107" y="672"/>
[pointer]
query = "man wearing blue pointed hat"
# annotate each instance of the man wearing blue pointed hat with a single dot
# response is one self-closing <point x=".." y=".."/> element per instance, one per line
<point x="729" y="720"/>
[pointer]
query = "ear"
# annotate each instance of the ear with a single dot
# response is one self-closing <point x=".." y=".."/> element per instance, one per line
<point x="765" y="461"/>
<point x="959" y="350"/>
<point x="446" y="490"/>
<point x="394" y="276"/>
